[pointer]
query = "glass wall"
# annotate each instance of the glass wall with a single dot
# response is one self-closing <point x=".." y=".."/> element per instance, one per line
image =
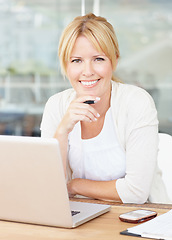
<point x="29" y="67"/>
<point x="145" y="39"/>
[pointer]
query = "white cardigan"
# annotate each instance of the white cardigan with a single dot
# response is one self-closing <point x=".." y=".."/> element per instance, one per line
<point x="136" y="124"/>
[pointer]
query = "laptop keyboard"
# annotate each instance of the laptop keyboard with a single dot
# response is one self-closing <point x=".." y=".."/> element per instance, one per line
<point x="74" y="212"/>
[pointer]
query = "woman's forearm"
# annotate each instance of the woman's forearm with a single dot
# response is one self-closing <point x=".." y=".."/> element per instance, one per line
<point x="63" y="142"/>
<point x="104" y="190"/>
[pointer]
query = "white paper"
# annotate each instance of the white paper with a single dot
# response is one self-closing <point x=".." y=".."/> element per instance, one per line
<point x="159" y="227"/>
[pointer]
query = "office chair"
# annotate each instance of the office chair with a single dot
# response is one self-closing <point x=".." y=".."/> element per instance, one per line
<point x="165" y="161"/>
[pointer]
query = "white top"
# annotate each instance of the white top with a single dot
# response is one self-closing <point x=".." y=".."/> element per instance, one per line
<point x="98" y="158"/>
<point x="136" y="125"/>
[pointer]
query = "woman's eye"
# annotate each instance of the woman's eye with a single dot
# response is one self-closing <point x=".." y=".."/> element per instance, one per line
<point x="99" y="59"/>
<point x="76" y="60"/>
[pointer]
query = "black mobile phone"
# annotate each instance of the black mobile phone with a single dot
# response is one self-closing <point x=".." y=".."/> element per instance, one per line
<point x="89" y="102"/>
<point x="137" y="216"/>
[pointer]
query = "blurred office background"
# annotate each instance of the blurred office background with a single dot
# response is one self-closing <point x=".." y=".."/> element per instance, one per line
<point x="29" y="67"/>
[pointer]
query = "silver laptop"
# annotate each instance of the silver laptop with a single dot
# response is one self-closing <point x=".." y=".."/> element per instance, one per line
<point x="33" y="186"/>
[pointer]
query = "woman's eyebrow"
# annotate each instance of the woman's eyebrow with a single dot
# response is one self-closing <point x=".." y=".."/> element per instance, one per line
<point x="97" y="55"/>
<point x="75" y="57"/>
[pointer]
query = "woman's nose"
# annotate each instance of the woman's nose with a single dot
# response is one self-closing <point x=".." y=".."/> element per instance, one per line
<point x="88" y="69"/>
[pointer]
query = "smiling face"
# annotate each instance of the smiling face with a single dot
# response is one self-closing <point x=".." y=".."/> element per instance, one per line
<point x="89" y="71"/>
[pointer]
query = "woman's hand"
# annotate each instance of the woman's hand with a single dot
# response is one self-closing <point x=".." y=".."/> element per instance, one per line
<point x="78" y="111"/>
<point x="104" y="190"/>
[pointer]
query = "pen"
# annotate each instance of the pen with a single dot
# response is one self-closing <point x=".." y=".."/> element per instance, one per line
<point x="89" y="102"/>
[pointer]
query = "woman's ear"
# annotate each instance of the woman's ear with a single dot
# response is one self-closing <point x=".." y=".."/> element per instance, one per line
<point x="115" y="62"/>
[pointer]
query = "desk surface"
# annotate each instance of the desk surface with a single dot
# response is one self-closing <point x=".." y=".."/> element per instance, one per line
<point x="105" y="227"/>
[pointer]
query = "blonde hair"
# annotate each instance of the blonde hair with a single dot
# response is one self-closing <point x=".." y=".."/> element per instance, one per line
<point x="97" y="29"/>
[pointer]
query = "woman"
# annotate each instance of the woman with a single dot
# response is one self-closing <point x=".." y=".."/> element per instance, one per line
<point x="109" y="147"/>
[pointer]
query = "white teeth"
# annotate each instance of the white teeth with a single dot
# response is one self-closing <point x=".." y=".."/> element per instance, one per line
<point x="89" y="82"/>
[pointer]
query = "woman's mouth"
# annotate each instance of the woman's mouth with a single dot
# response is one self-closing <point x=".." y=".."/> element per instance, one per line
<point x="89" y="83"/>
